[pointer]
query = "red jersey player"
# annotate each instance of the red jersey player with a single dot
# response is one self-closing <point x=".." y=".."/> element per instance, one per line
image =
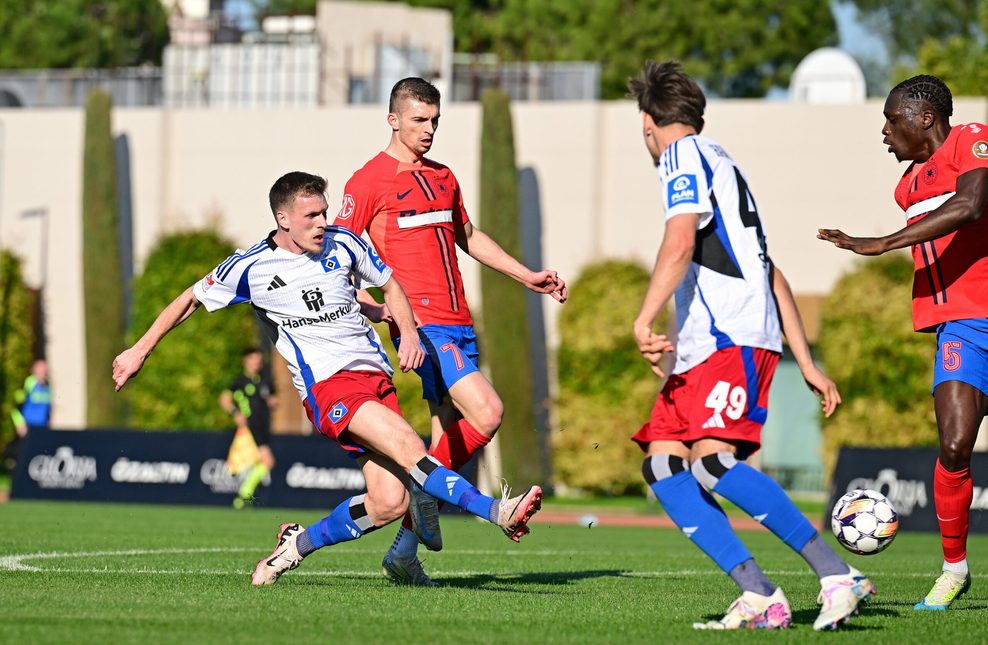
<point x="412" y="208"/>
<point x="944" y="193"/>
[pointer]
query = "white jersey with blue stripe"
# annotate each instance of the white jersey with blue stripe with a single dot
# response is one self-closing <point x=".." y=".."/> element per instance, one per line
<point x="306" y="303"/>
<point x="726" y="298"/>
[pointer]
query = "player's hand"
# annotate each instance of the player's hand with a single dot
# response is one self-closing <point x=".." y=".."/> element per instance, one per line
<point x="548" y="282"/>
<point x="411" y="354"/>
<point x="126" y="365"/>
<point x="821" y="385"/>
<point x="652" y="346"/>
<point x="859" y="245"/>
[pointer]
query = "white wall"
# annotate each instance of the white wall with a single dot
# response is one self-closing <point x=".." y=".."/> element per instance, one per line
<point x="809" y="166"/>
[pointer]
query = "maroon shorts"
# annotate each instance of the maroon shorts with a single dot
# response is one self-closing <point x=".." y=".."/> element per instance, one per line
<point x="332" y="403"/>
<point x="725" y="397"/>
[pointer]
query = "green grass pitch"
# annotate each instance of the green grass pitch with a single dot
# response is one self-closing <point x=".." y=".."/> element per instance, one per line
<point x="86" y="573"/>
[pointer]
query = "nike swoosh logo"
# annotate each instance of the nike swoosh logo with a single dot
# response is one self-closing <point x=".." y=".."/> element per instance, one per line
<point x="404" y="194"/>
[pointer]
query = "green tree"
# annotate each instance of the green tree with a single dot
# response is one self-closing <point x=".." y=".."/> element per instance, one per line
<point x="101" y="280"/>
<point x="40" y="34"/>
<point x="884" y="369"/>
<point x="505" y="323"/>
<point x="737" y="47"/>
<point x="606" y="389"/>
<point x="16" y="337"/>
<point x="179" y="385"/>
<point x="266" y="8"/>
<point x="946" y="39"/>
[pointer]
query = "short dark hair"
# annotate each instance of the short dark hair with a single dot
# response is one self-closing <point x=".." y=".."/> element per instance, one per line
<point x="253" y="349"/>
<point x="667" y="94"/>
<point x="290" y="186"/>
<point x="929" y="89"/>
<point x="416" y="88"/>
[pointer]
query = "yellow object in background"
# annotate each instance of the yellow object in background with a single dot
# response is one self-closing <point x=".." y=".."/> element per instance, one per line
<point x="243" y="452"/>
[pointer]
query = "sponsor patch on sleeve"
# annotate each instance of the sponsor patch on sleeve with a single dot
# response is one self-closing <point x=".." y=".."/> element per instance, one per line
<point x="346" y="210"/>
<point x="980" y="149"/>
<point x="375" y="259"/>
<point x="682" y="190"/>
<point x="207" y="281"/>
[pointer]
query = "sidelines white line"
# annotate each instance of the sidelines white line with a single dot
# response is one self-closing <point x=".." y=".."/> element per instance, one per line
<point x="16" y="562"/>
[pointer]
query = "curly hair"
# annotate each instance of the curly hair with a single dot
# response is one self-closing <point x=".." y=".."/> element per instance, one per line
<point x="929" y="89"/>
<point x="667" y="94"/>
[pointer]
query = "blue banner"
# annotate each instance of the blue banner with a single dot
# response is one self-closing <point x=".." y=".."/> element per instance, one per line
<point x="180" y="468"/>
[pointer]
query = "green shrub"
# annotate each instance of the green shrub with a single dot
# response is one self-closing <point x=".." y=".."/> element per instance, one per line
<point x="16" y="337"/>
<point x="606" y="389"/>
<point x="180" y="382"/>
<point x="883" y="368"/>
<point x="503" y="315"/>
<point x="102" y="284"/>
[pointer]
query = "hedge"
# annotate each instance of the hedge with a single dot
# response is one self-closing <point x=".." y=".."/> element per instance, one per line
<point x="181" y="381"/>
<point x="606" y="389"/>
<point x="16" y="337"/>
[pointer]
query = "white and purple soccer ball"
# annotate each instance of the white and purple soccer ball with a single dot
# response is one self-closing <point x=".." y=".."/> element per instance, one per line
<point x="864" y="522"/>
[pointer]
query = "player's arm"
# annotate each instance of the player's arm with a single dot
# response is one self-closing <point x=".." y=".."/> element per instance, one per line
<point x="792" y="327"/>
<point x="410" y="352"/>
<point x="482" y="247"/>
<point x="129" y="362"/>
<point x="372" y="309"/>
<point x="228" y="404"/>
<point x="673" y="260"/>
<point x="965" y="206"/>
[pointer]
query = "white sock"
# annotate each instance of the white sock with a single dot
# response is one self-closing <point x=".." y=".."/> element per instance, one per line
<point x="960" y="568"/>
<point x="406" y="544"/>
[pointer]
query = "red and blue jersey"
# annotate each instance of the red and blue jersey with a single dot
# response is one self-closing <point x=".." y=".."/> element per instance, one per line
<point x="951" y="271"/>
<point x="412" y="213"/>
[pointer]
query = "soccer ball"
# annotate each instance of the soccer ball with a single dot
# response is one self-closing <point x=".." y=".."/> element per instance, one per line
<point x="864" y="522"/>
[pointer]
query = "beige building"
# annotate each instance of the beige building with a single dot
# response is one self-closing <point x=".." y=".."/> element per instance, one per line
<point x="809" y="166"/>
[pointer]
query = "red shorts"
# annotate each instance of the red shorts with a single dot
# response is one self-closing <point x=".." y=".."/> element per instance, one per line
<point x="725" y="397"/>
<point x="332" y="403"/>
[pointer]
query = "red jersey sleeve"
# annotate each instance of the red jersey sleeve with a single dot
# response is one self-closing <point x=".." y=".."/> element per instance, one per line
<point x="360" y="204"/>
<point x="460" y="216"/>
<point x="971" y="151"/>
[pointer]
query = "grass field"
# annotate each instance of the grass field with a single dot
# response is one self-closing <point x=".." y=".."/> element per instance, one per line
<point x="85" y="573"/>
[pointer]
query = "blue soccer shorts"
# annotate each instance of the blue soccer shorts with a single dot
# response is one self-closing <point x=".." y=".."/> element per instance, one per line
<point x="962" y="353"/>
<point x="451" y="354"/>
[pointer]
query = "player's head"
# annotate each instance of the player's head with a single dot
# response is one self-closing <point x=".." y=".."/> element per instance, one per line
<point x="298" y="201"/>
<point x="253" y="360"/>
<point x="413" y="114"/>
<point x="666" y="95"/>
<point x="39" y="370"/>
<point x="917" y="113"/>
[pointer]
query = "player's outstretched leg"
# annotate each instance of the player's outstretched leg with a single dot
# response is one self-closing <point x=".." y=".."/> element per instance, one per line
<point x="510" y="513"/>
<point x="952" y="495"/>
<point x="843" y="588"/>
<point x="348" y="521"/>
<point x="697" y="514"/>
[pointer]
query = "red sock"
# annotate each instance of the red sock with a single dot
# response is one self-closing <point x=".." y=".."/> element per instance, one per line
<point x="952" y="495"/>
<point x="458" y="443"/>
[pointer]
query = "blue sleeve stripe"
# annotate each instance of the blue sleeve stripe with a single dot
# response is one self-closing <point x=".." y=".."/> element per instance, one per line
<point x="353" y="257"/>
<point x="243" y="287"/>
<point x="223" y="273"/>
<point x="349" y="233"/>
<point x="234" y="256"/>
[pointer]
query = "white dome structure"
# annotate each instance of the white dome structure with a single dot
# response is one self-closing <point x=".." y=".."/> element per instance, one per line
<point x="827" y="75"/>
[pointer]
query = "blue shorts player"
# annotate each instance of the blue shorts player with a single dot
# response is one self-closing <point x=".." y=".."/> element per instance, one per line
<point x="412" y="209"/>
<point x="944" y="195"/>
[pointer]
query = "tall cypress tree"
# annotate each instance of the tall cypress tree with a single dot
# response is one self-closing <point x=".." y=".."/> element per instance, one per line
<point x="506" y="335"/>
<point x="102" y="285"/>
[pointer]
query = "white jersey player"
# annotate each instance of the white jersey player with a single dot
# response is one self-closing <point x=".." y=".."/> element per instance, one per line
<point x="725" y="298"/>
<point x="299" y="281"/>
<point x="306" y="303"/>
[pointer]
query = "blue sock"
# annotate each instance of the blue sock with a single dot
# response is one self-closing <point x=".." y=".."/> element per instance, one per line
<point x="348" y="521"/>
<point x="448" y="486"/>
<point x="756" y="494"/>
<point x="694" y="511"/>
